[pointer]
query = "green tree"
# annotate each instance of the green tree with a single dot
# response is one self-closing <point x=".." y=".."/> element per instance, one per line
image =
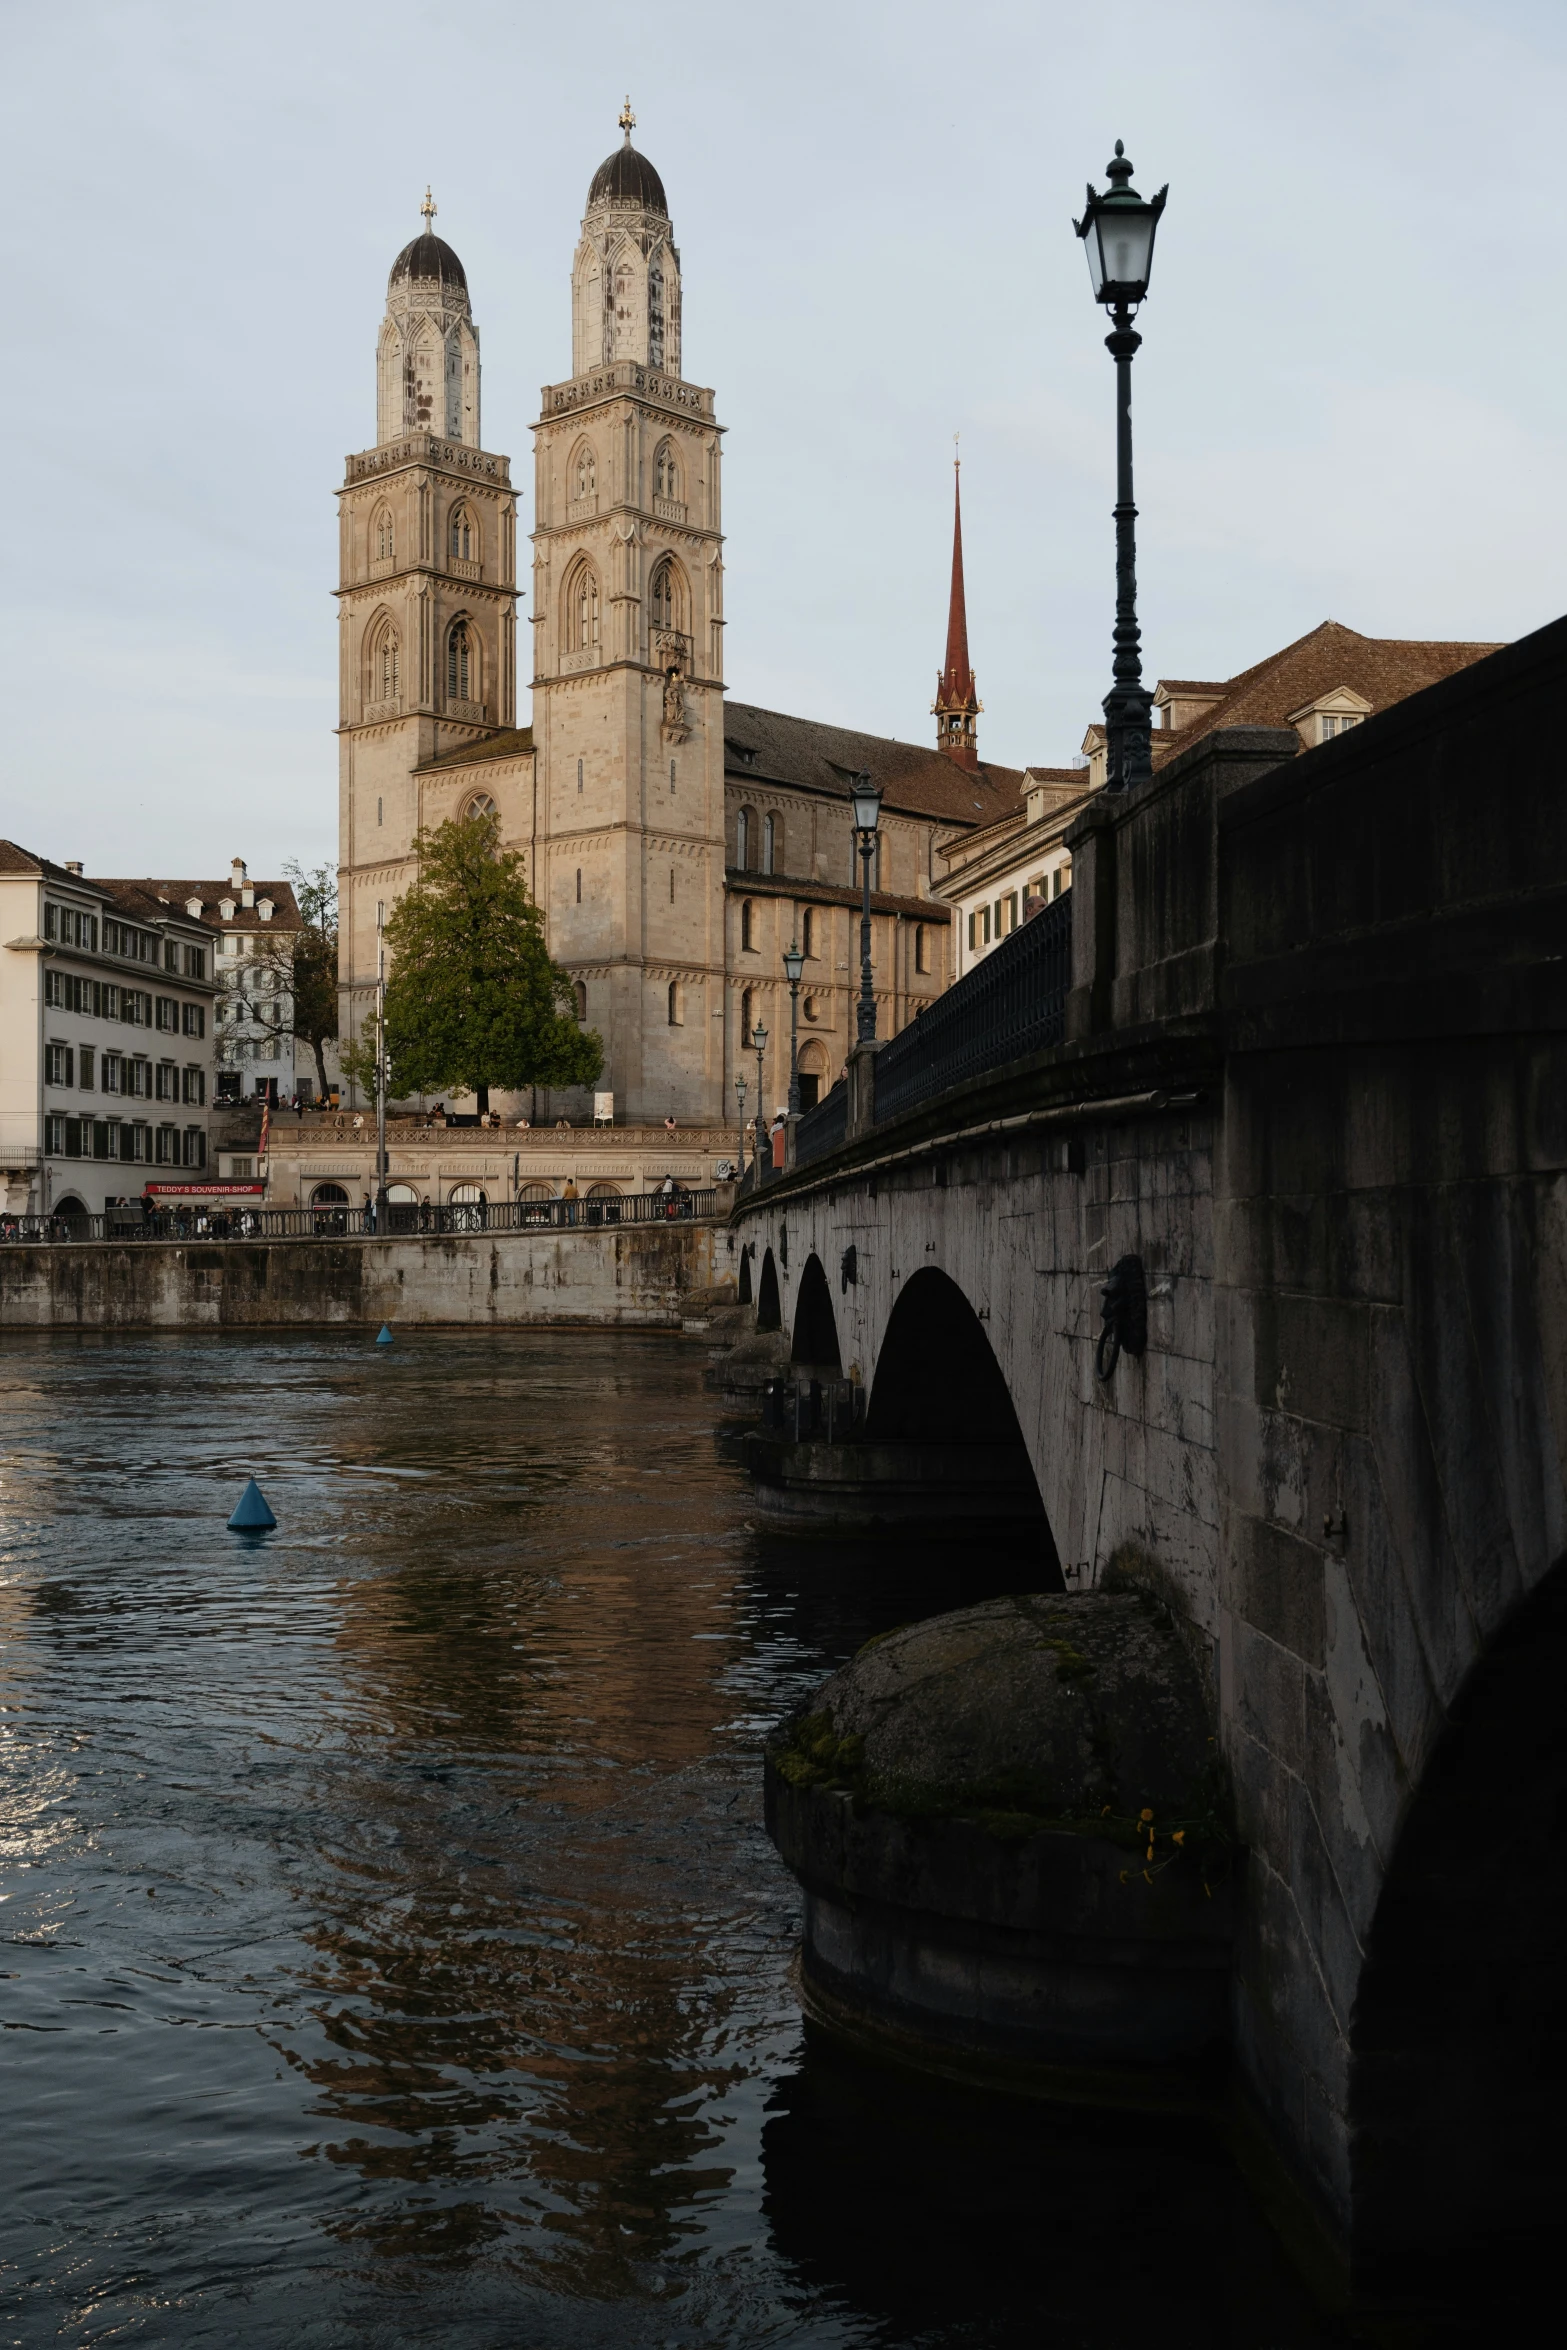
<point x="472" y="998"/>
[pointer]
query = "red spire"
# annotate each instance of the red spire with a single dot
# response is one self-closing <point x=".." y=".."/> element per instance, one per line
<point x="957" y="704"/>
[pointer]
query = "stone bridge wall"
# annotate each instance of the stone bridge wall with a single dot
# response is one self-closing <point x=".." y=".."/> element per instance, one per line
<point x="1345" y="1444"/>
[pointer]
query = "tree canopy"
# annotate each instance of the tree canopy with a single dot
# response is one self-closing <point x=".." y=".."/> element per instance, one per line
<point x="472" y="998"/>
<point x="298" y="968"/>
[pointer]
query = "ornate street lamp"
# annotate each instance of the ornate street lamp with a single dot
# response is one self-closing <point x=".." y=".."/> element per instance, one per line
<point x="865" y="800"/>
<point x="740" y="1100"/>
<point x="1117" y="230"/>
<point x="759" y="1039"/>
<point x="794" y="964"/>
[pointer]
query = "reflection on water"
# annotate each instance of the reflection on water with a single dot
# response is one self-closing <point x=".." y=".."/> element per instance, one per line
<point x="390" y="1951"/>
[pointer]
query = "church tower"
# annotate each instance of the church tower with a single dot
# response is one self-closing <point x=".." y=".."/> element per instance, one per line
<point x="427" y="603"/>
<point x="957" y="705"/>
<point x="628" y="662"/>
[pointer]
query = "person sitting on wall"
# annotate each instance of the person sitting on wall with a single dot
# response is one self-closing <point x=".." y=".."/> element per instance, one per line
<point x="669" y="1125"/>
<point x="523" y="1125"/>
<point x="563" y="1125"/>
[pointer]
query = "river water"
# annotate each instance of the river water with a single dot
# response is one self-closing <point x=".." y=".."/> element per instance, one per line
<point x="390" y="1949"/>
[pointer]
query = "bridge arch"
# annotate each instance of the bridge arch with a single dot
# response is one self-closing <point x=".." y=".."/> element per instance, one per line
<point x="938" y="1385"/>
<point x="815" y="1324"/>
<point x="769" y="1311"/>
<point x="1459" y="2034"/>
<point x="745" y="1274"/>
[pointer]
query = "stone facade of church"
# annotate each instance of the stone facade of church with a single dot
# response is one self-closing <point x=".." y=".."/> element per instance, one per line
<point x="676" y="840"/>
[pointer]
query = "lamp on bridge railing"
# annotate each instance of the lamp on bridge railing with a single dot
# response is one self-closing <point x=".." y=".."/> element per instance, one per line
<point x="794" y="964"/>
<point x="865" y="800"/>
<point x="759" y="1040"/>
<point x="740" y="1098"/>
<point x="1117" y="230"/>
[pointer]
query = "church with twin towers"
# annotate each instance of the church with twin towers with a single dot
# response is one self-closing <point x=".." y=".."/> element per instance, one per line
<point x="676" y="840"/>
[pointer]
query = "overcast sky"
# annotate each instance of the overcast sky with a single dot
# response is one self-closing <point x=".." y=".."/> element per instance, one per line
<point x="1349" y="405"/>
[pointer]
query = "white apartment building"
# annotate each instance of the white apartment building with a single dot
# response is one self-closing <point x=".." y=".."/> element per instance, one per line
<point x="256" y="923"/>
<point x="994" y="874"/>
<point x="106" y="1038"/>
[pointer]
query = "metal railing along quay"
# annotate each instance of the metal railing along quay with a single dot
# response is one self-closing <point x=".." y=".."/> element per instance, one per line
<point x="210" y="1220"/>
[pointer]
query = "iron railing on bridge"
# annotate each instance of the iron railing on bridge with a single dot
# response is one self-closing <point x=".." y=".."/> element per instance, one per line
<point x="823" y="1129"/>
<point x="1014" y="1003"/>
<point x="210" y="1220"/>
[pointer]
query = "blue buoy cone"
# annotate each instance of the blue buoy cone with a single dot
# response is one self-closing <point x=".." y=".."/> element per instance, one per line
<point x="384" y="1335"/>
<point x="252" y="1515"/>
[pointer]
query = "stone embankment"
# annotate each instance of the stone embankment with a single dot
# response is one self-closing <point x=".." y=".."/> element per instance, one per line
<point x="635" y="1276"/>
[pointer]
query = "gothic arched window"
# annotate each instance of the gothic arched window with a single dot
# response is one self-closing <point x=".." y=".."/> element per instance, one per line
<point x="808" y="931"/>
<point x="582" y="608"/>
<point x="480" y="805"/>
<point x="772" y="844"/>
<point x="385" y="681"/>
<point x="584" y="471"/>
<point x="745" y="839"/>
<point x="384" y="536"/>
<point x="663" y="595"/>
<point x="747" y="927"/>
<point x="666" y="471"/>
<point x="459" y="664"/>
<point x="745" y="1018"/>
<point x="655" y="325"/>
<point x="677" y="1010"/>
<point x="464" y="535"/>
<point x="580" y="997"/>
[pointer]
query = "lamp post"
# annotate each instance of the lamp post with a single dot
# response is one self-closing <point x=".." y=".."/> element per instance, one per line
<point x="380" y="1067"/>
<point x="865" y="799"/>
<point x="740" y="1102"/>
<point x="794" y="964"/>
<point x="759" y="1039"/>
<point x="1117" y="229"/>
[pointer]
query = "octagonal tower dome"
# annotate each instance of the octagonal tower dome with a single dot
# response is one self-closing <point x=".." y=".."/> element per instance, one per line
<point x="427" y="359"/>
<point x="625" y="281"/>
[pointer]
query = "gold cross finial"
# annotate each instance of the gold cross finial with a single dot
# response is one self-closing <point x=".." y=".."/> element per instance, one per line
<point x="628" y="121"/>
<point x="428" y="208"/>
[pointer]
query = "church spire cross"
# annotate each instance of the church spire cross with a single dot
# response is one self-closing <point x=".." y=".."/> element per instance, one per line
<point x="957" y="704"/>
<point x="628" y="121"/>
<point x="428" y="208"/>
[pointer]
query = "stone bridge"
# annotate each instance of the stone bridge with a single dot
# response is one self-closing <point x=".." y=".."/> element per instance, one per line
<point x="1313" y="1078"/>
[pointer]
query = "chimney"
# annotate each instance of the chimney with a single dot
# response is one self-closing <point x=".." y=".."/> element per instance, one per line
<point x="73" y="864"/>
<point x="236" y="873"/>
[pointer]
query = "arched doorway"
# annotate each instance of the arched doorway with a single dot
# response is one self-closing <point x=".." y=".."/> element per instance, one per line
<point x="467" y="1207"/>
<point x="815" y="1324"/>
<point x="329" y="1208"/>
<point x="1459" y="2033"/>
<point x="769" y="1313"/>
<point x="813" y="1073"/>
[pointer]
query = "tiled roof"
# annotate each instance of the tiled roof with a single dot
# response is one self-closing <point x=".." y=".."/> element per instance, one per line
<point x="159" y="899"/>
<point x="1382" y="669"/>
<point x="803" y="753"/>
<point x="507" y="745"/>
<point x="14" y="859"/>
<point x="830" y="893"/>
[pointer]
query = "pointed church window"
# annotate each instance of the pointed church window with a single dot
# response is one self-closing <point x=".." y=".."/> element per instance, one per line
<point x="385" y="536"/>
<point x="666" y="471"/>
<point x="386" y="680"/>
<point x="664" y="596"/>
<point x="464" y="535"/>
<point x="584" y="471"/>
<point x="745" y="825"/>
<point x="458" y="661"/>
<point x="772" y="845"/>
<point x="582" y="610"/>
<point x="747" y="932"/>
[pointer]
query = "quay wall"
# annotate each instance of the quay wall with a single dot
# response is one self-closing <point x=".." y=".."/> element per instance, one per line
<point x="635" y="1276"/>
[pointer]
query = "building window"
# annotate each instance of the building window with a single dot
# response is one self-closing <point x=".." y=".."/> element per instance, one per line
<point x="747" y="938"/>
<point x="745" y="839"/>
<point x="138" y="1079"/>
<point x="772" y="844"/>
<point x="168" y="1082"/>
<point x="671" y="885"/>
<point x="458" y="664"/>
<point x="59" y="1065"/>
<point x="584" y="471"/>
<point x="1341" y="725"/>
<point x="579" y="885"/>
<point x="194" y="1093"/>
<point x="666" y="471"/>
<point x="84" y="1061"/>
<point x="112" y="1073"/>
<point x="380" y="811"/>
<point x="386" y="665"/>
<point x="464" y="535"/>
<point x="677" y="1012"/>
<point x="481" y="804"/>
<point x="811" y="1008"/>
<point x="582" y="609"/>
<point x="579" y="775"/>
<point x="168" y="1015"/>
<point x="195" y="1020"/>
<point x="580" y="994"/>
<point x="195" y="1151"/>
<point x="746" y="1022"/>
<point x="195" y="968"/>
<point x="671" y="775"/>
<point x="808" y="931"/>
<point x="54" y="1134"/>
<point x="167" y="1146"/>
<point x="385" y="536"/>
<point x="921" y="947"/>
<point x="663" y="596"/>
